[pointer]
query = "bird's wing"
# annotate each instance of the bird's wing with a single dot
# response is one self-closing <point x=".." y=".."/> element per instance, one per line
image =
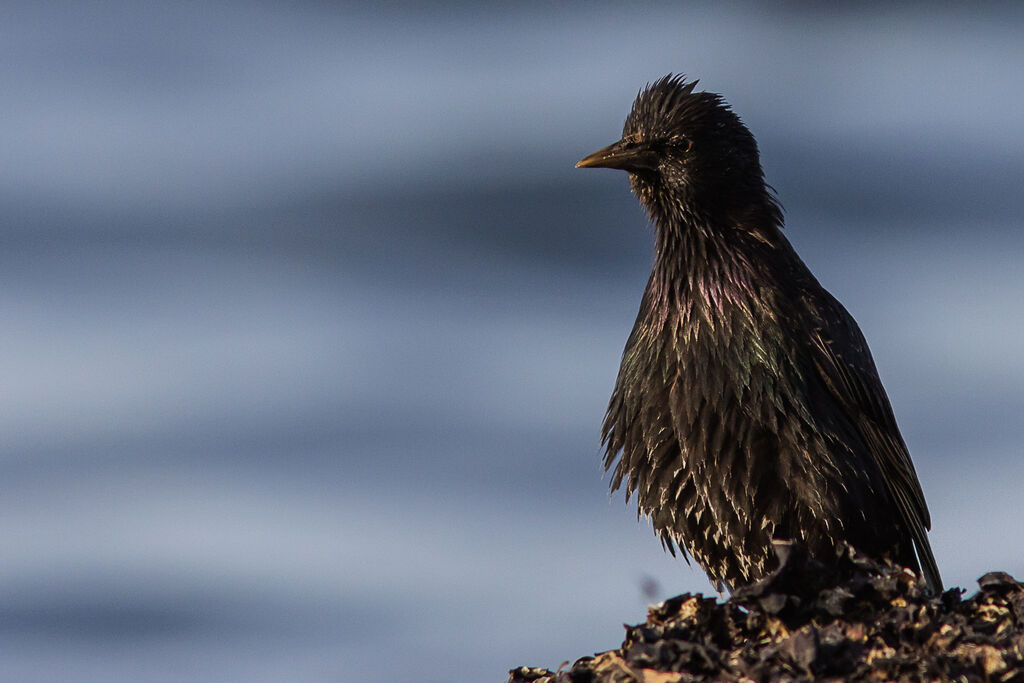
<point x="844" y="362"/>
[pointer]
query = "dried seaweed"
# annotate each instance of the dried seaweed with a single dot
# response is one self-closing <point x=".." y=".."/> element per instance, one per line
<point x="857" y="620"/>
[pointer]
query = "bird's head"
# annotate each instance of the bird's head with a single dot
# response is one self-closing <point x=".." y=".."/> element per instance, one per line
<point x="686" y="151"/>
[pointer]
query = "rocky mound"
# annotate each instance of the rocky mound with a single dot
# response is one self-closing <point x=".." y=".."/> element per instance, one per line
<point x="858" y="620"/>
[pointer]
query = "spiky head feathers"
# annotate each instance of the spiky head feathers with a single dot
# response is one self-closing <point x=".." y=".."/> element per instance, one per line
<point x="705" y="151"/>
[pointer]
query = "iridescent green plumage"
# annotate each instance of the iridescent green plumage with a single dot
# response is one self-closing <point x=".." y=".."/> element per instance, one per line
<point x="747" y="407"/>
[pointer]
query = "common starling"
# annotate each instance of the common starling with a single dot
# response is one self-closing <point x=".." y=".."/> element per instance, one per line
<point x="747" y="408"/>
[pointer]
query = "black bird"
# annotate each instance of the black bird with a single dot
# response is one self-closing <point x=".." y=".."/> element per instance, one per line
<point x="747" y="408"/>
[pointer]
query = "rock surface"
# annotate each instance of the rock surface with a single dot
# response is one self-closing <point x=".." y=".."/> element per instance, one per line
<point x="859" y="620"/>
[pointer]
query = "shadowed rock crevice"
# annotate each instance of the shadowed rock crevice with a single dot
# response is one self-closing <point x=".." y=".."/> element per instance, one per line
<point x="858" y="620"/>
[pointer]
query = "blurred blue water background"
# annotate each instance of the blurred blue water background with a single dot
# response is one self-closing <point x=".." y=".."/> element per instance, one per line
<point x="308" y="323"/>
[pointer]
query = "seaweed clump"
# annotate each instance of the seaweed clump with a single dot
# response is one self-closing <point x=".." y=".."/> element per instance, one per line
<point x="858" y="619"/>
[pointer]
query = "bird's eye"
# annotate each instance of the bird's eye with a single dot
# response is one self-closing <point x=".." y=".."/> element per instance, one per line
<point x="683" y="144"/>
